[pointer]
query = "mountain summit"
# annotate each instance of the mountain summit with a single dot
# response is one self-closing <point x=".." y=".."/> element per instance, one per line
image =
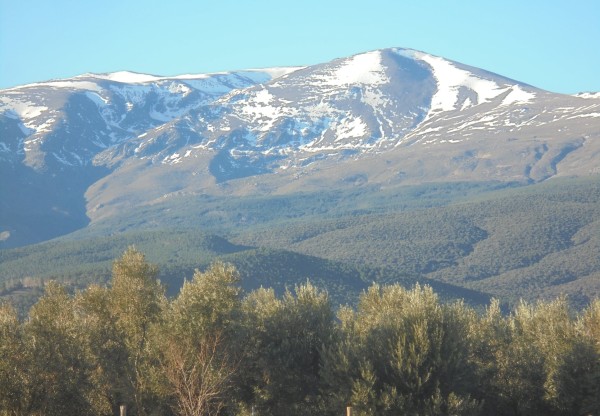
<point x="95" y="145"/>
<point x="364" y="104"/>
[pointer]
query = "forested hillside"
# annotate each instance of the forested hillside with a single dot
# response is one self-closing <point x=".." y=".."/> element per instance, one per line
<point x="471" y="241"/>
<point x="77" y="264"/>
<point x="215" y="349"/>
<point x="533" y="242"/>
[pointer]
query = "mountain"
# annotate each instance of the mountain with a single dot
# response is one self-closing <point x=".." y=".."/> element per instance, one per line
<point x="426" y="118"/>
<point x="53" y="132"/>
<point x="94" y="145"/>
<point x="361" y="147"/>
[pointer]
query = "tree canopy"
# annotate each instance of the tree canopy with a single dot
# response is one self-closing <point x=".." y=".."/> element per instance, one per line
<point x="216" y="350"/>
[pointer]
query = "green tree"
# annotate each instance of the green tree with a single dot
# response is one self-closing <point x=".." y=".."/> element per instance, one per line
<point x="588" y="356"/>
<point x="105" y="349"/>
<point x="402" y="352"/>
<point x="59" y="382"/>
<point x="285" y="338"/>
<point x="491" y="337"/>
<point x="534" y="361"/>
<point x="14" y="364"/>
<point x="197" y="356"/>
<point x="209" y="303"/>
<point x="137" y="300"/>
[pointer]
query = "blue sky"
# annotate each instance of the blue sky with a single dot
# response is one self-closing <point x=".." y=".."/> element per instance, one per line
<point x="550" y="44"/>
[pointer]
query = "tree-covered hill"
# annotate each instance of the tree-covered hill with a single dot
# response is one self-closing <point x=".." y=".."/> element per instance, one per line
<point x="80" y="263"/>
<point x="531" y="242"/>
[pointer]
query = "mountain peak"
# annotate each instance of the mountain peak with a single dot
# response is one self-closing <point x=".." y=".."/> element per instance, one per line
<point x="453" y="79"/>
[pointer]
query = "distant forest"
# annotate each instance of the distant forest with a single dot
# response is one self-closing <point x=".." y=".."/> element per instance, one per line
<point x="466" y="241"/>
<point x="213" y="349"/>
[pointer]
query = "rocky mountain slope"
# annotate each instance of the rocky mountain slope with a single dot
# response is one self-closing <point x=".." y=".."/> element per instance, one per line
<point x="95" y="146"/>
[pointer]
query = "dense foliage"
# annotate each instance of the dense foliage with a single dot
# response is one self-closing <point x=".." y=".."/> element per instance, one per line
<point x="215" y="350"/>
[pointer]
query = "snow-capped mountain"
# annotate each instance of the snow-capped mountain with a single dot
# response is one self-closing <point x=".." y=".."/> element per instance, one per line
<point x="96" y="144"/>
<point x="70" y="121"/>
<point x="366" y="103"/>
<point x="51" y="132"/>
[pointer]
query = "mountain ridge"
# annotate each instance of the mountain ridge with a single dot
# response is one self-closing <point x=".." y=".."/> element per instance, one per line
<point x="385" y="118"/>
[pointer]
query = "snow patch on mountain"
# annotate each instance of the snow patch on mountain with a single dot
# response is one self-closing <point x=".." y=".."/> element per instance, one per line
<point x="451" y="79"/>
<point x="263" y="110"/>
<point x="374" y="98"/>
<point x="179" y="88"/>
<point x="594" y="115"/>
<point x="350" y="128"/>
<point x="46" y="126"/>
<point x="364" y="69"/>
<point x="97" y="98"/>
<point x="254" y="75"/>
<point x="263" y="97"/>
<point x="24" y="109"/>
<point x="517" y="95"/>
<point x="589" y="95"/>
<point x="127" y="77"/>
<point x="73" y="85"/>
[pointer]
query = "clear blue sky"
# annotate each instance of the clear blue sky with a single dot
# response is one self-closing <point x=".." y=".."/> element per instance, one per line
<point x="550" y="44"/>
